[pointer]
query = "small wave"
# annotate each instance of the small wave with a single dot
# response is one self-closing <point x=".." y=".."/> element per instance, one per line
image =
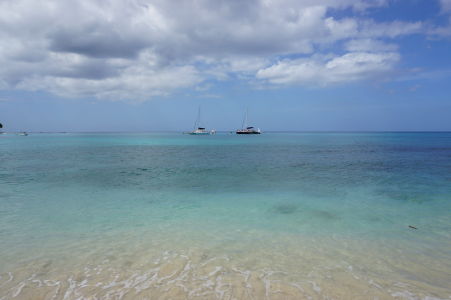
<point x="191" y="276"/>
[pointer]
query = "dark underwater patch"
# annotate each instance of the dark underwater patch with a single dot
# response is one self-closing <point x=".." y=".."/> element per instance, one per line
<point x="284" y="209"/>
<point x="325" y="215"/>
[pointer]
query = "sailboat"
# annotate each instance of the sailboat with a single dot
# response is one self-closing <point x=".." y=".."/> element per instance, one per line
<point x="247" y="129"/>
<point x="198" y="129"/>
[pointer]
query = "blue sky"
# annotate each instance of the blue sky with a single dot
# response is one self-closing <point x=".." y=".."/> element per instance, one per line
<point x="140" y="65"/>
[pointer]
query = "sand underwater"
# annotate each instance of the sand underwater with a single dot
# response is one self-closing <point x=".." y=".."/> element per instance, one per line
<point x="275" y="216"/>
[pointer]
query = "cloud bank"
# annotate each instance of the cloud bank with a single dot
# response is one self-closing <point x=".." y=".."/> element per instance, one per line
<point x="138" y="49"/>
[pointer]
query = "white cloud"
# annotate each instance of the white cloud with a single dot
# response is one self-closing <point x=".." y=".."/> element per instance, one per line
<point x="369" y="45"/>
<point x="141" y="48"/>
<point x="136" y="81"/>
<point x="445" y="5"/>
<point x="324" y="70"/>
<point x="441" y="31"/>
<point x="371" y="29"/>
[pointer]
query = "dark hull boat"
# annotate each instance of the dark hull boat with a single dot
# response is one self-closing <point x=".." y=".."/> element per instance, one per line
<point x="247" y="129"/>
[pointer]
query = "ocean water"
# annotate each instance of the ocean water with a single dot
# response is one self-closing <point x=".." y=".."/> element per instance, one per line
<point x="274" y="216"/>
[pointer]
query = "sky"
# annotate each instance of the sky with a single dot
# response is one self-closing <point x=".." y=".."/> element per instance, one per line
<point x="304" y="65"/>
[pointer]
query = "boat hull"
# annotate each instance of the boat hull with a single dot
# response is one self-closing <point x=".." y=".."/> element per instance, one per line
<point x="200" y="133"/>
<point x="248" y="132"/>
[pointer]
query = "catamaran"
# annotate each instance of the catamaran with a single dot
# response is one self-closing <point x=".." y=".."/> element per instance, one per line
<point x="247" y="129"/>
<point x="198" y="129"/>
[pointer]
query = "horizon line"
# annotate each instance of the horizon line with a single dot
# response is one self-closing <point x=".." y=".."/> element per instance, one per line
<point x="228" y="131"/>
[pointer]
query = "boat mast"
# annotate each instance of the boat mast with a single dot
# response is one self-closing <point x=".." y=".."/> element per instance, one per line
<point x="244" y="125"/>
<point x="197" y="123"/>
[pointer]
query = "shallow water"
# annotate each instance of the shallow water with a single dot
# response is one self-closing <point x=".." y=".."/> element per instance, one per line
<point x="275" y="216"/>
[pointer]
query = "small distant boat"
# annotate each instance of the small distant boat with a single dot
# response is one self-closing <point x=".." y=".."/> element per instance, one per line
<point x="23" y="133"/>
<point x="202" y="131"/>
<point x="247" y="129"/>
<point x="198" y="129"/>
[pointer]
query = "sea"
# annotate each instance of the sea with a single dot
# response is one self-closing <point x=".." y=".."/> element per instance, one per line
<point x="294" y="215"/>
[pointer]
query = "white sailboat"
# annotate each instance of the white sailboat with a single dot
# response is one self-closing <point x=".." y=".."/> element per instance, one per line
<point x="247" y="129"/>
<point x="198" y="129"/>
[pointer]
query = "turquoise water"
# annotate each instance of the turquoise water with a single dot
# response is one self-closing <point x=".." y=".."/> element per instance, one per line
<point x="274" y="216"/>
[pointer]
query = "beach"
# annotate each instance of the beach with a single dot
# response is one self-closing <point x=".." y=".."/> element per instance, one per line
<point x="273" y="216"/>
